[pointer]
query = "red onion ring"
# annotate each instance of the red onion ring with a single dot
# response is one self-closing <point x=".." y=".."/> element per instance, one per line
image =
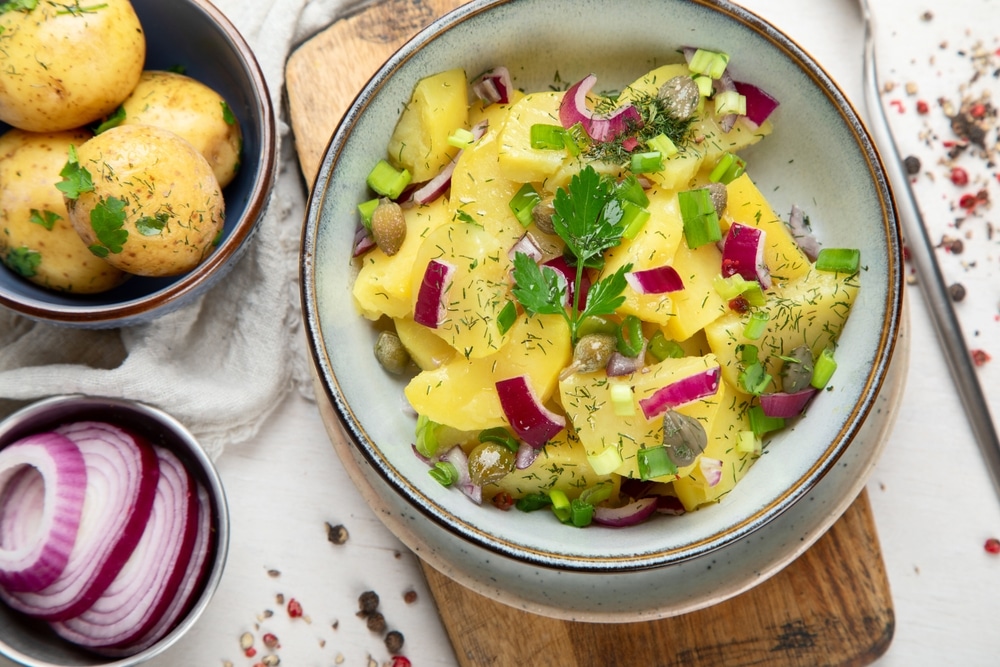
<point x="531" y="421"/>
<point x="573" y="109"/>
<point x="628" y="515"/>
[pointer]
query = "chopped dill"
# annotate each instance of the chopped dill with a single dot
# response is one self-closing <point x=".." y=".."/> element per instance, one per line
<point x="656" y="120"/>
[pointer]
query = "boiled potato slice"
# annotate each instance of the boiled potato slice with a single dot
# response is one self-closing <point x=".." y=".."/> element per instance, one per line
<point x="62" y="69"/>
<point x="37" y="240"/>
<point x="191" y="110"/>
<point x="699" y="303"/>
<point x="427" y="350"/>
<point x="155" y="209"/>
<point x="438" y="106"/>
<point x="519" y="162"/>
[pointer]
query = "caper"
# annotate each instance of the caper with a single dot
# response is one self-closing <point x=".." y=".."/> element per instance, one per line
<point x="681" y="95"/>
<point x="542" y="215"/>
<point x="720" y="197"/>
<point x="591" y="353"/>
<point x="490" y="462"/>
<point x="797" y="372"/>
<point x="391" y="353"/>
<point x="388" y="226"/>
<point x="684" y="437"/>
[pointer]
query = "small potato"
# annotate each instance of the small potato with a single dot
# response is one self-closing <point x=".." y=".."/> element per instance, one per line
<point x="191" y="110"/>
<point x="155" y="209"/>
<point x="37" y="240"/>
<point x="64" y="65"/>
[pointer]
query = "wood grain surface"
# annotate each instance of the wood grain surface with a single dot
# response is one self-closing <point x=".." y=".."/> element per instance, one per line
<point x="832" y="606"/>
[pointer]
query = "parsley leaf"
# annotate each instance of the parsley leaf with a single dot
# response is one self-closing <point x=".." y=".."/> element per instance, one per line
<point x="107" y="219"/>
<point x="540" y="289"/>
<point x="18" y="6"/>
<point x="605" y="296"/>
<point x="152" y="225"/>
<point x="76" y="179"/>
<point x="114" y="120"/>
<point x="587" y="215"/>
<point x="227" y="114"/>
<point x="23" y="261"/>
<point x="46" y="218"/>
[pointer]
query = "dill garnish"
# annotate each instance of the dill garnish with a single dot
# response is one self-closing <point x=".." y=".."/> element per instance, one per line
<point x="656" y="120"/>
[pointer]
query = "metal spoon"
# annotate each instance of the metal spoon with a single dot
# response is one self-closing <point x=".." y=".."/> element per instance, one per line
<point x="930" y="278"/>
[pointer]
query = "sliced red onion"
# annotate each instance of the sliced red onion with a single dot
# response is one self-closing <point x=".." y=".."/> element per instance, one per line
<point x="122" y="475"/>
<point x="43" y="481"/>
<point x="494" y="86"/>
<point x="526" y="455"/>
<point x="437" y="186"/>
<point x="457" y="457"/>
<point x="743" y="254"/>
<point x="574" y="109"/>
<point x="620" y="364"/>
<point x="760" y="105"/>
<point x="628" y="515"/>
<point x="527" y="245"/>
<point x="568" y="272"/>
<point x="363" y="241"/>
<point x="802" y="234"/>
<point x="786" y="406"/>
<point x="430" y="309"/>
<point x="137" y="598"/>
<point x="658" y="280"/>
<point x="711" y="469"/>
<point x="724" y="84"/>
<point x="692" y="388"/>
<point x="532" y="422"/>
<point x="671" y="505"/>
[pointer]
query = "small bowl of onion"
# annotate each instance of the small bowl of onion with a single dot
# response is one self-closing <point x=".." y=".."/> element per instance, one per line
<point x="114" y="531"/>
<point x="592" y="379"/>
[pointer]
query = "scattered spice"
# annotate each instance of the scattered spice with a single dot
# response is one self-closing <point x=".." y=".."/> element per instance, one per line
<point x="503" y="501"/>
<point x="959" y="176"/>
<point x="294" y="608"/>
<point x="376" y="622"/>
<point x="394" y="641"/>
<point x="956" y="291"/>
<point x="246" y="641"/>
<point x="980" y="357"/>
<point x="270" y="640"/>
<point x="410" y="596"/>
<point x="274" y="574"/>
<point x="992" y="546"/>
<point x="336" y="534"/>
<point x="250" y="652"/>
<point x="400" y="661"/>
<point x="368" y="603"/>
<point x="270" y="660"/>
<point x="912" y="165"/>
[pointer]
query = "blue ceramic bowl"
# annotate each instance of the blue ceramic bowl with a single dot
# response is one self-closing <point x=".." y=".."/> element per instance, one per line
<point x="197" y="36"/>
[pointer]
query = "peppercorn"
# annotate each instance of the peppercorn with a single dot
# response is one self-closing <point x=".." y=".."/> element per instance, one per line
<point x="376" y="622"/>
<point x="956" y="291"/>
<point x="394" y="641"/>
<point x="294" y="608"/>
<point x="368" y="602"/>
<point x="992" y="546"/>
<point x="912" y="165"/>
<point x="336" y="534"/>
<point x="959" y="176"/>
<point x="410" y="596"/>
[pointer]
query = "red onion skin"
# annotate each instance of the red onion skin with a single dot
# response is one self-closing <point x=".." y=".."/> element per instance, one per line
<point x="531" y="421"/>
<point x="573" y="109"/>
<point x="629" y="515"/>
<point x="743" y="254"/>
<point x="760" y="104"/>
<point x="691" y="388"/>
<point x="784" y="405"/>
<point x="429" y="309"/>
<point x="560" y="264"/>
<point x="63" y="475"/>
<point x="658" y="280"/>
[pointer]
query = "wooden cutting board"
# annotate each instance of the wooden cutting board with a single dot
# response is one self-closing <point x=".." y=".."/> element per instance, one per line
<point x="832" y="606"/>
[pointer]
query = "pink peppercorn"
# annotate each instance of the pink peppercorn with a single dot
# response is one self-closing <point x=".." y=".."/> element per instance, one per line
<point x="967" y="201"/>
<point x="992" y="546"/>
<point x="959" y="176"/>
<point x="922" y="107"/>
<point x="294" y="608"/>
<point x="400" y="661"/>
<point x="270" y="640"/>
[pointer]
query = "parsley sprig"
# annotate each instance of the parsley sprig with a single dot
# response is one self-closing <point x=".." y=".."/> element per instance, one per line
<point x="588" y="219"/>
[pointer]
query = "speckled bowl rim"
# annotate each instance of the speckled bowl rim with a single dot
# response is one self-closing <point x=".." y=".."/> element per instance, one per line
<point x="441" y="516"/>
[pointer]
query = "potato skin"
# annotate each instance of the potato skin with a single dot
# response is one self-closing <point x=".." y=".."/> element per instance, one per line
<point x="60" y="71"/>
<point x="162" y="181"/>
<point x="191" y="110"/>
<point x="54" y="257"/>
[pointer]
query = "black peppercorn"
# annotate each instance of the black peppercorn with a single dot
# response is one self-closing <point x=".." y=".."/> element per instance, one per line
<point x="912" y="165"/>
<point x="956" y="291"/>
<point x="376" y="622"/>
<point x="394" y="641"/>
<point x="368" y="602"/>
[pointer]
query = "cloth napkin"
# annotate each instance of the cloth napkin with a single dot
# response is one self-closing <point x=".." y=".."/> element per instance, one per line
<point x="223" y="363"/>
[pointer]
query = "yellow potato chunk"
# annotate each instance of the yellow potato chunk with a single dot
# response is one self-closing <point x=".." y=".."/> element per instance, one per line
<point x="438" y="106"/>
<point x="520" y="162"/>
<point x="427" y="350"/>
<point x="699" y="303"/>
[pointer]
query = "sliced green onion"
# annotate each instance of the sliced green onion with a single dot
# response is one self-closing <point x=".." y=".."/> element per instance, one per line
<point x="663" y="144"/>
<point x="581" y="513"/>
<point x="753" y="379"/>
<point x="507" y="317"/>
<point x="839" y="260"/>
<point x="533" y="501"/>
<point x="387" y="180"/>
<point x="754" y="293"/>
<point x="705" y="87"/>
<point x="444" y="473"/>
<point x="747" y="442"/>
<point x="730" y="102"/>
<point x="595" y="324"/>
<point x="634" y="218"/>
<point x="629" y="189"/>
<point x="736" y="285"/>
<point x="500" y="435"/>
<point x="701" y="222"/>
<point x="523" y="203"/>
<point x="660" y="347"/>
<point x="367" y="209"/>
<point x="427" y="441"/>
<point x="630" y="338"/>
<point x="647" y="163"/>
<point x="654" y="462"/>
<point x="823" y="369"/>
<point x="728" y="168"/>
<point x="621" y="399"/>
<point x="606" y="462"/>
<point x="547" y="137"/>
<point x="709" y="63"/>
<point x="597" y="494"/>
<point x="761" y="423"/>
<point x="461" y="138"/>
<point x="749" y="353"/>
<point x="561" y="505"/>
<point x="756" y="325"/>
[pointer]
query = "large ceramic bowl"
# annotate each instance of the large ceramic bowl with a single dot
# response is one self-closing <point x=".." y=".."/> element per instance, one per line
<point x="196" y="36"/>
<point x="819" y="155"/>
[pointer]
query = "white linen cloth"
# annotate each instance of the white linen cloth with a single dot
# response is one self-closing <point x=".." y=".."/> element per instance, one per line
<point x="223" y="363"/>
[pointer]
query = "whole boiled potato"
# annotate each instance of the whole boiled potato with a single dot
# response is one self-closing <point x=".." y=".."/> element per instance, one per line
<point x="64" y="65"/>
<point x="144" y="199"/>
<point x="192" y="110"/>
<point x="37" y="240"/>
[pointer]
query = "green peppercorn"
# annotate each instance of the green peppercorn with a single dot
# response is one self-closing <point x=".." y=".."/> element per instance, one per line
<point x="391" y="353"/>
<point x="490" y="462"/>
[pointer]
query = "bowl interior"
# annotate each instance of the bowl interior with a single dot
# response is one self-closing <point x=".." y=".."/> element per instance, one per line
<point x="818" y="157"/>
<point x="195" y="36"/>
<point x="32" y="642"/>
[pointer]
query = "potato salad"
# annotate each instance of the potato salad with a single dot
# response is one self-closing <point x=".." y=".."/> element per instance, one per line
<point x="597" y="309"/>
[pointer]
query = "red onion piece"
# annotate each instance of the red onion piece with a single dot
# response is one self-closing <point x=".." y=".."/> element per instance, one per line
<point x="363" y="241"/>
<point x="532" y="422"/>
<point x="43" y="480"/>
<point x="803" y="236"/>
<point x="711" y="469"/>
<point x="457" y="457"/>
<point x="692" y="388"/>
<point x="620" y="364"/>
<point x="430" y="308"/>
<point x="725" y="83"/>
<point x="527" y="245"/>
<point x="658" y="280"/>
<point x="526" y="455"/>
<point x="671" y="505"/>
<point x="760" y="105"/>
<point x="136" y="599"/>
<point x="573" y="109"/>
<point x="786" y="406"/>
<point x="122" y="474"/>
<point x="743" y="254"/>
<point x="628" y="515"/>
<point x="568" y="272"/>
<point x="494" y="86"/>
